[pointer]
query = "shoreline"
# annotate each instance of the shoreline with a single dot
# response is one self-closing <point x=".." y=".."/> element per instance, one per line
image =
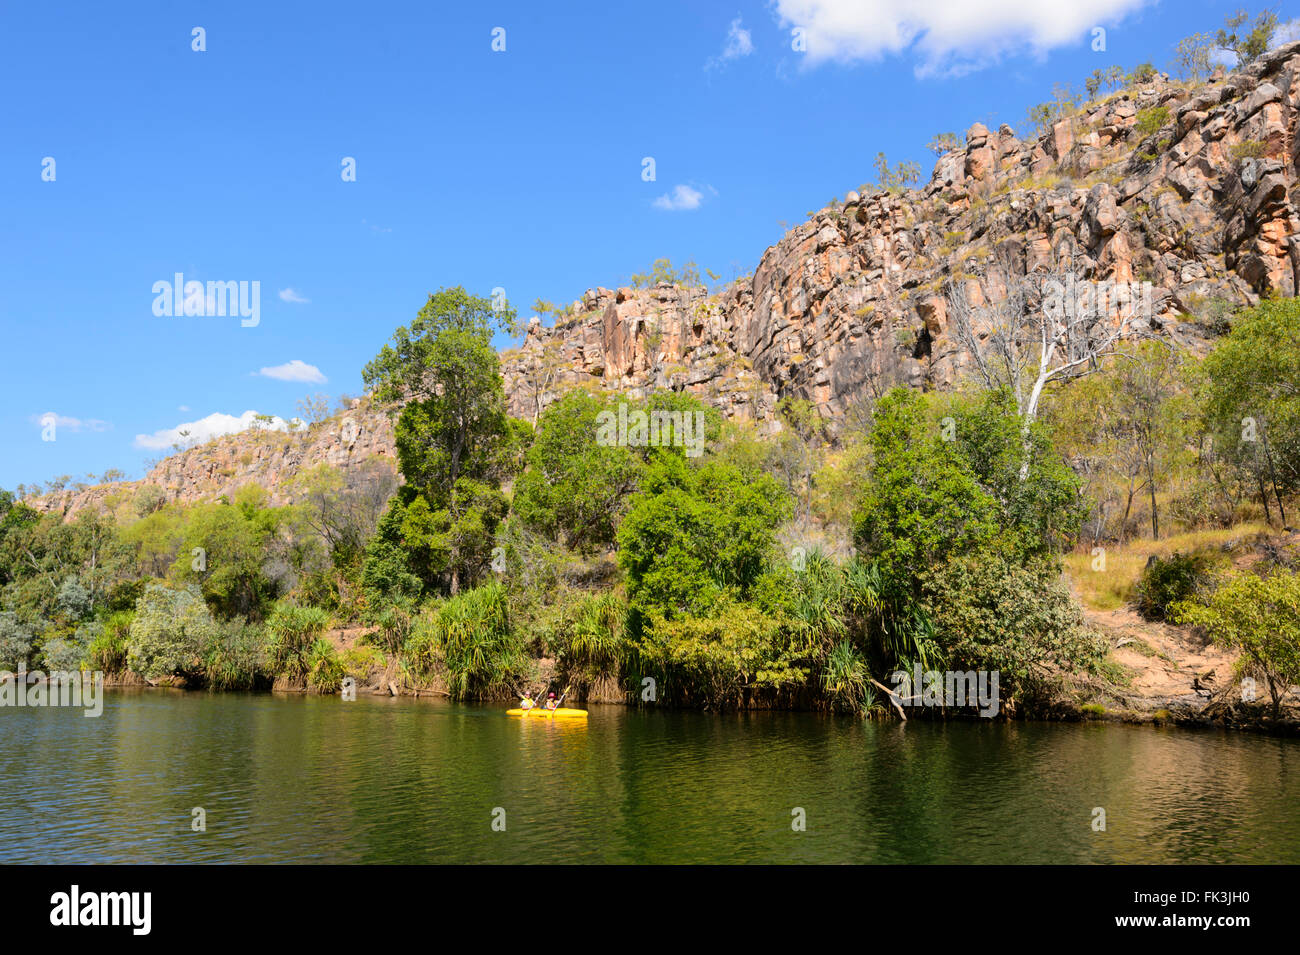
<point x="1216" y="714"/>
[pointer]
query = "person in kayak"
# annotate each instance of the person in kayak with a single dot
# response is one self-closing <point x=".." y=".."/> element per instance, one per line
<point x="526" y="703"/>
<point x="550" y="701"/>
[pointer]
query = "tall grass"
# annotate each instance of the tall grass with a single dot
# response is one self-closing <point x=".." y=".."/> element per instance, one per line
<point x="293" y="631"/>
<point x="1111" y="584"/>
<point x="468" y="640"/>
<point x="236" y="658"/>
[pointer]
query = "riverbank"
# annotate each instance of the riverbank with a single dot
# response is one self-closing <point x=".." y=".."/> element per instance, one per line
<point x="1161" y="675"/>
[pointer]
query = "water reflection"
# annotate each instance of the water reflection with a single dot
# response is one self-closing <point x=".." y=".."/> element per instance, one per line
<point x="294" y="779"/>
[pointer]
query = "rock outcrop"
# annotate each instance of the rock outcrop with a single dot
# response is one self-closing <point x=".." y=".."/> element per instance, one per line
<point x="1188" y="188"/>
<point x="270" y="459"/>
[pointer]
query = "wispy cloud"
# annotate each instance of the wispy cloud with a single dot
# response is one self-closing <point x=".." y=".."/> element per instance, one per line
<point x="68" y="423"/>
<point x="950" y="38"/>
<point x="739" y="44"/>
<point x="289" y="295"/>
<point x="1287" y="32"/>
<point x="681" y="198"/>
<point x="213" y="426"/>
<point x="296" y="370"/>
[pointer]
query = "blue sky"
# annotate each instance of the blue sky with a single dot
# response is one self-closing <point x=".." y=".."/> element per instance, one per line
<point x="518" y="169"/>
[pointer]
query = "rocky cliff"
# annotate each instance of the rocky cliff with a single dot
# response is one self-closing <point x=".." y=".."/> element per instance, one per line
<point x="268" y="458"/>
<point x="1190" y="188"/>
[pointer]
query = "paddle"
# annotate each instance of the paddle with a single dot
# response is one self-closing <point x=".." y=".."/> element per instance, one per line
<point x="560" y="700"/>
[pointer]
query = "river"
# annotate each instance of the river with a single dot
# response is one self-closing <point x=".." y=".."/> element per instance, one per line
<point x="378" y="780"/>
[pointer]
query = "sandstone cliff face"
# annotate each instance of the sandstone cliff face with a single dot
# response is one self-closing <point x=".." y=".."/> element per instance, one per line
<point x="269" y="459"/>
<point x="1201" y="208"/>
<point x="852" y="301"/>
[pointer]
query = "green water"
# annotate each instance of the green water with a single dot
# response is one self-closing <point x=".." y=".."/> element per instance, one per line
<point x="293" y="779"/>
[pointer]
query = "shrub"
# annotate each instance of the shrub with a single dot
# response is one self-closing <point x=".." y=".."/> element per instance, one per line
<point x="992" y="612"/>
<point x="1150" y="120"/>
<point x="593" y="637"/>
<point x="1165" y="582"/>
<point x="293" y="631"/>
<point x="846" y="680"/>
<point x="67" y="649"/>
<point x="469" y="640"/>
<point x="325" y="671"/>
<point x="1260" y="618"/>
<point x="107" y="651"/>
<point x="236" y="658"/>
<point x="170" y="631"/>
<point x="15" y="641"/>
<point x="713" y="661"/>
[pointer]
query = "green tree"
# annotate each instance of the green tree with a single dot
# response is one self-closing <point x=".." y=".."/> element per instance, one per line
<point x="170" y="630"/>
<point x="1249" y="402"/>
<point x="944" y="487"/>
<point x="1248" y="42"/>
<point x="922" y="504"/>
<point x="449" y="433"/>
<point x="1192" y="56"/>
<point x="1258" y="617"/>
<point x="695" y="533"/>
<point x="225" y="550"/>
<point x="575" y="489"/>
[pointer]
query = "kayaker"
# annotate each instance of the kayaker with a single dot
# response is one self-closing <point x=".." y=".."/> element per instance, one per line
<point x="550" y="701"/>
<point x="526" y="703"/>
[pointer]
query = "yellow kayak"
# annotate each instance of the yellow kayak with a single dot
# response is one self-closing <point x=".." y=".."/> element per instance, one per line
<point x="541" y="712"/>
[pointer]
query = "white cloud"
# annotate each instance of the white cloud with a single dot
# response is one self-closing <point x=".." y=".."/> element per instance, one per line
<point x="214" y="425"/>
<point x="739" y="43"/>
<point x="950" y="36"/>
<point x="296" y="370"/>
<point x="183" y="408"/>
<point x="66" y="423"/>
<point x="289" y="295"/>
<point x="1287" y="32"/>
<point x="682" y="197"/>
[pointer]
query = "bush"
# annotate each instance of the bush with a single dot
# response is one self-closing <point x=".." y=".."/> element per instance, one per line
<point x="991" y="612"/>
<point x="107" y="651"/>
<point x="1150" y="120"/>
<point x="325" y="671"/>
<point x="1165" y="582"/>
<point x="714" y="661"/>
<point x="15" y="641"/>
<point x="590" y="636"/>
<point x="1260" y="618"/>
<point x="846" y="680"/>
<point x="236" y="658"/>
<point x="468" y="639"/>
<point x="66" y="650"/>
<point x="170" y="631"/>
<point x="293" y="632"/>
